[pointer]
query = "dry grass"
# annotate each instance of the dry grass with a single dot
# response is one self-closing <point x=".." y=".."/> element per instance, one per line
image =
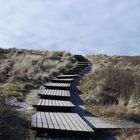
<point x="129" y="134"/>
<point x="25" y="65"/>
<point x="124" y="134"/>
<point x="20" y="71"/>
<point x="112" y="90"/>
<point x="113" y="112"/>
<point x="17" y="90"/>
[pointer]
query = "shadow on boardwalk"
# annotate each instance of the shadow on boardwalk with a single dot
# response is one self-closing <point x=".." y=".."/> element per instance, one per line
<point x="99" y="135"/>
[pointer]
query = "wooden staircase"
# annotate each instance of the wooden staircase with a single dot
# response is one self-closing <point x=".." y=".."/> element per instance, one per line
<point x="55" y="113"/>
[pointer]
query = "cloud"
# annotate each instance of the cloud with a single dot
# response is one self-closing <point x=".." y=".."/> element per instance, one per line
<point x="78" y="26"/>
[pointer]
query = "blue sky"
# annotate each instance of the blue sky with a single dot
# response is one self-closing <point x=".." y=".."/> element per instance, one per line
<point x="79" y="26"/>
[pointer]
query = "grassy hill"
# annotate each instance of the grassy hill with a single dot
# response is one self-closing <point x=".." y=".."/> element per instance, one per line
<point x="21" y="71"/>
<point x="112" y="90"/>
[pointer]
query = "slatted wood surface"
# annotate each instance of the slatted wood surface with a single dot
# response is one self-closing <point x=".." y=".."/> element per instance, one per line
<point x="57" y="85"/>
<point x="59" y="121"/>
<point x="53" y="103"/>
<point x="55" y="94"/>
<point x="67" y="76"/>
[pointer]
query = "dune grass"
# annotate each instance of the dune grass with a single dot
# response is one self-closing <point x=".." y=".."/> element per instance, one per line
<point x="112" y="90"/>
<point x="128" y="134"/>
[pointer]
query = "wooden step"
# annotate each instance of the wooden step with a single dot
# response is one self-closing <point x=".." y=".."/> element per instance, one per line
<point x="59" y="122"/>
<point x="53" y="105"/>
<point x="67" y="76"/>
<point x="62" y="80"/>
<point x="55" y="94"/>
<point x="65" y="86"/>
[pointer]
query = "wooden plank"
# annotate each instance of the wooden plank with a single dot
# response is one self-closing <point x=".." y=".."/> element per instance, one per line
<point x="49" y="120"/>
<point x="49" y="102"/>
<point x="39" y="102"/>
<point x="67" y="76"/>
<point x="56" y="92"/>
<point x="44" y="121"/>
<point x="34" y="120"/>
<point x="46" y="102"/>
<point x="64" y="121"/>
<point x="77" y="123"/>
<point x="83" y="122"/>
<point x="53" y="103"/>
<point x="43" y="91"/>
<point x="55" y="123"/>
<point x="43" y="102"/>
<point x="61" y="103"/>
<point x="50" y="91"/>
<point x="62" y="80"/>
<point x="57" y="103"/>
<point x="61" y="121"/>
<point x="69" y="122"/>
<point x="65" y="86"/>
<point x="39" y="120"/>
<point x="72" y="120"/>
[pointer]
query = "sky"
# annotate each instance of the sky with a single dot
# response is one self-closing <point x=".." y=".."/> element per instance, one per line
<point x="79" y="26"/>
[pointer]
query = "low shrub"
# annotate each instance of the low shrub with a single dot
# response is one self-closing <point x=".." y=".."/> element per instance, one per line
<point x="112" y="88"/>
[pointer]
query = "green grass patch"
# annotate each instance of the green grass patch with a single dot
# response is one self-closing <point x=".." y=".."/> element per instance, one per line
<point x="14" y="89"/>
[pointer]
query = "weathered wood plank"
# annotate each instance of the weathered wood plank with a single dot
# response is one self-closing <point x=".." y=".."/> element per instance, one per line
<point x="34" y="121"/>
<point x="49" y="120"/>
<point x="53" y="103"/>
<point x="45" y="124"/>
<point x="64" y="121"/>
<point x="55" y="123"/>
<point x="65" y="86"/>
<point x="67" y="76"/>
<point x="61" y="121"/>
<point x="73" y="128"/>
<point x="39" y="120"/>
<point x="78" y="124"/>
<point x="55" y="94"/>
<point x="81" y="121"/>
<point x="72" y="120"/>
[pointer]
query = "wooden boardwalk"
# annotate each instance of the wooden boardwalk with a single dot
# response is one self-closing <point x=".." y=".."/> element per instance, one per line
<point x="62" y="122"/>
<point x="55" y="112"/>
<point x="55" y="94"/>
<point x="53" y="105"/>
